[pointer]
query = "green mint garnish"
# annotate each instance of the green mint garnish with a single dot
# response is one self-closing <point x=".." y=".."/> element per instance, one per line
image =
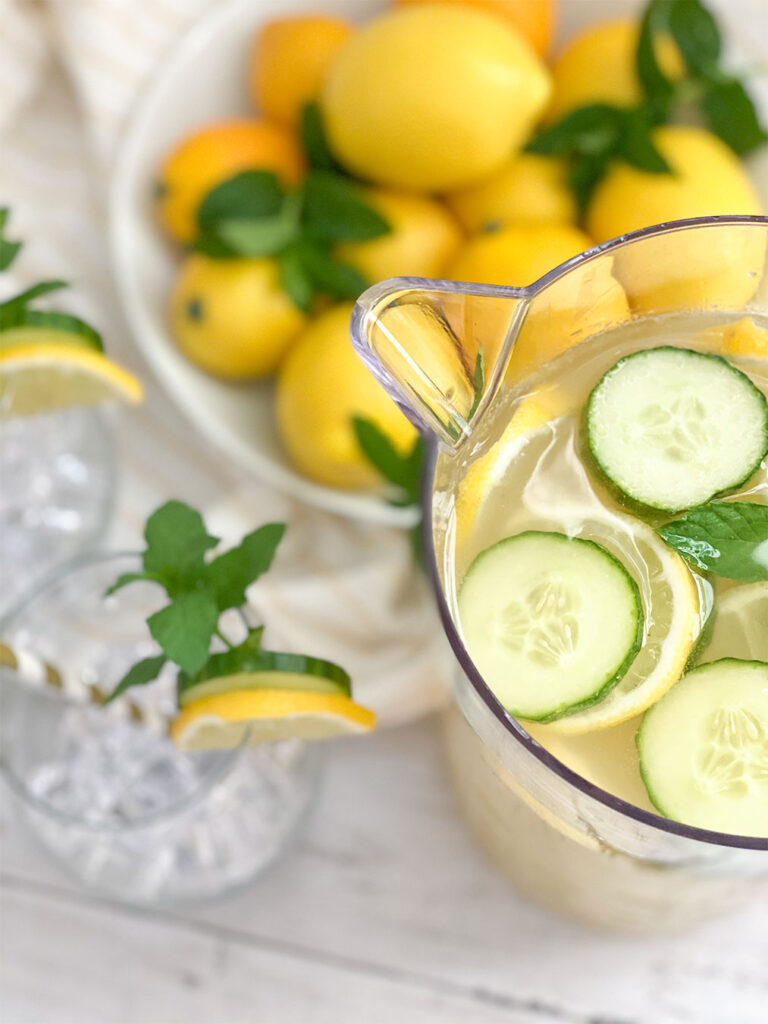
<point x="15" y="312"/>
<point x="729" y="539"/>
<point x="251" y="215"/>
<point x="200" y="586"/>
<point x="593" y="136"/>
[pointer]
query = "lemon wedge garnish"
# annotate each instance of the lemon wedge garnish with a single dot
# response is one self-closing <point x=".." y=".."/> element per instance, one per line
<point x="741" y="625"/>
<point x="224" y="720"/>
<point x="39" y="378"/>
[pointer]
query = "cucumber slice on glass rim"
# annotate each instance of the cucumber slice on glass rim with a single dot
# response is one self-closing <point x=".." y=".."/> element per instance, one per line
<point x="671" y="428"/>
<point x="703" y="748"/>
<point x="248" y="667"/>
<point x="552" y="622"/>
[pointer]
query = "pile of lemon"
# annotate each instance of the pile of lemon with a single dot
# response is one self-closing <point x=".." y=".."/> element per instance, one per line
<point x="429" y="106"/>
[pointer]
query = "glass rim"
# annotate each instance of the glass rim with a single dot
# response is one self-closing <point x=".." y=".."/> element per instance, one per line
<point x="433" y="446"/>
<point x="204" y="785"/>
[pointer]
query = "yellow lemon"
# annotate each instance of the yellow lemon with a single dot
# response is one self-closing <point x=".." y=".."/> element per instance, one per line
<point x="321" y="386"/>
<point x="289" y="60"/>
<point x="232" y="317"/>
<point x="718" y="268"/>
<point x="423" y="236"/>
<point x="213" y="154"/>
<point x="432" y="97"/>
<point x="587" y="300"/>
<point x="530" y="189"/>
<point x="535" y="19"/>
<point x="598" y="66"/>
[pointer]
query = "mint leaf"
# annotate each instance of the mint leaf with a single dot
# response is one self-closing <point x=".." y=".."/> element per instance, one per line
<point x="184" y="629"/>
<point x="697" y="36"/>
<point x="335" y="212"/>
<point x="265" y="236"/>
<point x="61" y="322"/>
<point x="478" y="383"/>
<point x="8" y="250"/>
<point x="143" y="672"/>
<point x="657" y="87"/>
<point x="731" y="114"/>
<point x="313" y="139"/>
<point x="228" y="576"/>
<point x="584" y="175"/>
<point x="294" y="277"/>
<point x="125" y="578"/>
<point x="592" y="130"/>
<point x="327" y="275"/>
<point x="636" y="145"/>
<point x="13" y="309"/>
<point x="247" y="195"/>
<point x="729" y="539"/>
<point x="404" y="471"/>
<point x="211" y="245"/>
<point x="176" y="544"/>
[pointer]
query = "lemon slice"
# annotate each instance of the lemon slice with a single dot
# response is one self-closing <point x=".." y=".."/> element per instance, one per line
<point x="39" y="378"/>
<point x="745" y="338"/>
<point x="264" y="716"/>
<point x="741" y="625"/>
<point x="673" y="618"/>
<point x="533" y="413"/>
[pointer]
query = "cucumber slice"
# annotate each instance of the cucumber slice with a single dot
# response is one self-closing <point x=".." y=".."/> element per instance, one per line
<point x="241" y="669"/>
<point x="43" y="327"/>
<point x="551" y="622"/>
<point x="704" y="748"/>
<point x="672" y="428"/>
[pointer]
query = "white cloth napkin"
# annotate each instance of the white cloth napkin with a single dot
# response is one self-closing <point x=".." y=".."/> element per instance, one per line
<point x="69" y="72"/>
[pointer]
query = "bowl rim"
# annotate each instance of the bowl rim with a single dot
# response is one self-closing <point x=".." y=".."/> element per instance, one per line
<point x="152" y="343"/>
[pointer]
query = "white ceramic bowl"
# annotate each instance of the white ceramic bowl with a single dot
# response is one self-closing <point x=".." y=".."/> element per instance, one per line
<point x="202" y="80"/>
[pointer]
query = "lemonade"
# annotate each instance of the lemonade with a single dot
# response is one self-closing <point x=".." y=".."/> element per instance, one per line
<point x="597" y="504"/>
<point x="532" y="524"/>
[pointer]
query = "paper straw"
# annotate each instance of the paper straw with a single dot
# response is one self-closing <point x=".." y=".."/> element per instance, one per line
<point x="37" y="673"/>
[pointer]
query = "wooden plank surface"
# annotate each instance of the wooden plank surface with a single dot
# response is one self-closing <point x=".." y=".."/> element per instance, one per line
<point x="386" y="893"/>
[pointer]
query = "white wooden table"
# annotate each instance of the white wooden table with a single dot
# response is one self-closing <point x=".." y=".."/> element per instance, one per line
<point x="385" y="912"/>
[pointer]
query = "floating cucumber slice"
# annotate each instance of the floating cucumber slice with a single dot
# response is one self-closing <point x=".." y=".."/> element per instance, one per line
<point x="263" y="670"/>
<point x="704" y="748"/>
<point x="671" y="428"/>
<point x="551" y="622"/>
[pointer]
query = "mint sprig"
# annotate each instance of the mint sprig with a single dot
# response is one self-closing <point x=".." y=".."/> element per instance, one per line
<point x="727" y="538"/>
<point x="251" y="215"/>
<point x="179" y="557"/>
<point x="16" y="312"/>
<point x="593" y="136"/>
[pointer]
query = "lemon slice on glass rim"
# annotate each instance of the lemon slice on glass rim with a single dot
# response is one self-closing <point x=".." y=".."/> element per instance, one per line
<point x="41" y="377"/>
<point x="264" y="716"/>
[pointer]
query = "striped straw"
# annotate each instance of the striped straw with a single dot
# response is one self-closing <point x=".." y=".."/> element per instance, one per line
<point x="36" y="673"/>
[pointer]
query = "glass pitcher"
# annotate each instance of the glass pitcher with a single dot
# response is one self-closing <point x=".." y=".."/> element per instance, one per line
<point x="459" y="359"/>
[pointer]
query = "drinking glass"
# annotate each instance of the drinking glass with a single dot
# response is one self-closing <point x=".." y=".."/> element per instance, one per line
<point x="447" y="352"/>
<point x="57" y="484"/>
<point x="104" y="790"/>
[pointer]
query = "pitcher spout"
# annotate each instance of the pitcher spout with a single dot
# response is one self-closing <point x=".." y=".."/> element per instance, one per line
<point x="439" y="347"/>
